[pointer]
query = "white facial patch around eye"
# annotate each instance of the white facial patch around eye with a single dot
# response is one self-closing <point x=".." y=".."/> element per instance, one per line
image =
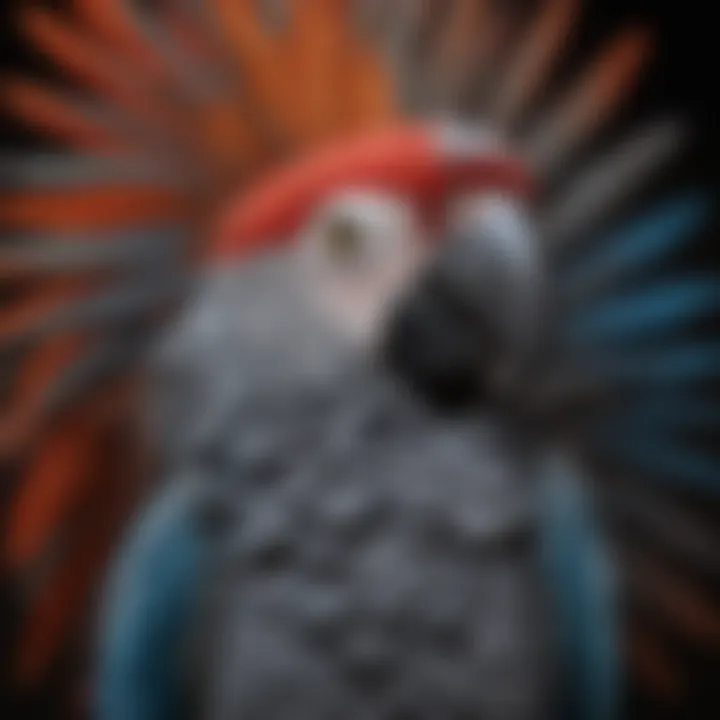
<point x="359" y="252"/>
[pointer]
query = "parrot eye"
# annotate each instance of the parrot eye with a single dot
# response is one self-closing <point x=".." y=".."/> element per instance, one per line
<point x="344" y="241"/>
<point x="359" y="234"/>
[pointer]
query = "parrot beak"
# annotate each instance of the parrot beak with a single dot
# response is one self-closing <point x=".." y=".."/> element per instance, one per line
<point x="470" y="325"/>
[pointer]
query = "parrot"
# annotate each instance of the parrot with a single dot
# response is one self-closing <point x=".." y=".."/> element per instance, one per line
<point x="351" y="373"/>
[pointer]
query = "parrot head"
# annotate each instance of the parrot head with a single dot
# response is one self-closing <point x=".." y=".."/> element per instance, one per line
<point x="414" y="244"/>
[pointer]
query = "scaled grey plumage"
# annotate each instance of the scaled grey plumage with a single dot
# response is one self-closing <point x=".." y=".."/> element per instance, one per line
<point x="374" y="560"/>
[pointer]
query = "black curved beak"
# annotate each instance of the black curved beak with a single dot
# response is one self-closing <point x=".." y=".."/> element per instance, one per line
<point x="437" y="341"/>
<point x="467" y="322"/>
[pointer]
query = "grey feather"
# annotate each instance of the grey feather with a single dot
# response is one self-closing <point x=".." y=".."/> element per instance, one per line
<point x="377" y="560"/>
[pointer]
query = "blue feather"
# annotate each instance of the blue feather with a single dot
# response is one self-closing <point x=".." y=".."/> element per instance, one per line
<point x="642" y="242"/>
<point x="584" y="590"/>
<point x="663" y="458"/>
<point x="662" y="367"/>
<point x="658" y="309"/>
<point x="668" y="411"/>
<point x="150" y="605"/>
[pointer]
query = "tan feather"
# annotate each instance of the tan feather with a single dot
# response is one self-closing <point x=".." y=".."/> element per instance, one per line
<point x="533" y="63"/>
<point x="592" y="101"/>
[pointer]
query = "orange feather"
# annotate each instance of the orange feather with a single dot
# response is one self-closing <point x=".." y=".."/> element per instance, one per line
<point x="57" y="115"/>
<point x="75" y="210"/>
<point x="370" y="99"/>
<point x="33" y="308"/>
<point x="90" y="64"/>
<point x="55" y="612"/>
<point x="263" y="72"/>
<point x="22" y="416"/>
<point x="227" y="142"/>
<point x="680" y="603"/>
<point x="54" y="483"/>
<point x="187" y="33"/>
<point x="112" y="21"/>
<point x="318" y="45"/>
<point x="652" y="666"/>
